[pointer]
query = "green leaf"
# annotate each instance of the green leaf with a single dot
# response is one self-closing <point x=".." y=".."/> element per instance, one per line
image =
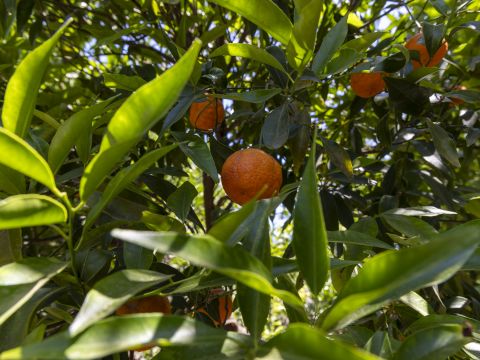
<point x="181" y="200"/>
<point x="254" y="305"/>
<point x="137" y="114"/>
<point x="210" y="253"/>
<point x="444" y="143"/>
<point x="253" y="96"/>
<point x="469" y="96"/>
<point x="121" y="180"/>
<point x="124" y="82"/>
<point x="27" y="210"/>
<point x="393" y="273"/>
<point x="227" y="225"/>
<point x="19" y="281"/>
<point x="22" y="88"/>
<point x="196" y="149"/>
<point x="14" y="331"/>
<point x="264" y="13"/>
<point x="11" y="182"/>
<point x="427" y="211"/>
<point x="417" y="303"/>
<point x="302" y="42"/>
<point x="363" y="42"/>
<point x="410" y="226"/>
<point x="345" y="58"/>
<point x="118" y="334"/>
<point x="357" y="238"/>
<point x="432" y="344"/>
<point x="407" y="97"/>
<point x="339" y="157"/>
<point x="137" y="257"/>
<point x="110" y="293"/>
<point x="309" y="233"/>
<point x="18" y="155"/>
<point x="11" y="245"/>
<point x="250" y="52"/>
<point x="433" y="35"/>
<point x="301" y="341"/>
<point x="76" y="126"/>
<point x="276" y="126"/>
<point x="330" y="44"/>
<point x="213" y="34"/>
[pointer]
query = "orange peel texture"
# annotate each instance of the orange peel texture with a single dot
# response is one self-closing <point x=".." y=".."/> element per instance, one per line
<point x="251" y="172"/>
<point x="208" y="114"/>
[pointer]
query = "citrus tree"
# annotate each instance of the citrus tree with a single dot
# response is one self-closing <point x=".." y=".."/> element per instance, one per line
<point x="164" y="164"/>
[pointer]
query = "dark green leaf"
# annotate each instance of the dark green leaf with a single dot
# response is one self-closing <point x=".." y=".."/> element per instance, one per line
<point x="309" y="234"/>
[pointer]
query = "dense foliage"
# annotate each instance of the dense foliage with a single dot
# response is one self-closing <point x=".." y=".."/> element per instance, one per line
<point x="108" y="194"/>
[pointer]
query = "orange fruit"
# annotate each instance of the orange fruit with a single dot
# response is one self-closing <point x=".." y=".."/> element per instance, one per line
<point x="207" y="114"/>
<point x="367" y="85"/>
<point x="248" y="172"/>
<point x="149" y="304"/>
<point x="417" y="43"/>
<point x="219" y="309"/>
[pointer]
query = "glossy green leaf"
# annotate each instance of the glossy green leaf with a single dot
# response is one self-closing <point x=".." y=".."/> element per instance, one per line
<point x="302" y="42"/>
<point x="210" y="253"/>
<point x="250" y="52"/>
<point x="253" y="96"/>
<point x="417" y="303"/>
<point x="254" y="305"/>
<point x="22" y="88"/>
<point x="436" y="320"/>
<point x="363" y="42"/>
<point x="410" y="226"/>
<point x="339" y="157"/>
<point x="118" y="334"/>
<point x="122" y="179"/>
<point x="137" y="115"/>
<point x="124" y="82"/>
<point x="330" y="44"/>
<point x="356" y="238"/>
<point x="469" y="96"/>
<point x="345" y="58"/>
<point x="227" y="225"/>
<point x="196" y="149"/>
<point x="14" y="331"/>
<point x="110" y="293"/>
<point x="309" y="233"/>
<point x="11" y="182"/>
<point x="181" y="200"/>
<point x="18" y="155"/>
<point x="27" y="210"/>
<point x="11" y="245"/>
<point x="432" y="344"/>
<point x="19" y="281"/>
<point x="276" y="127"/>
<point x="428" y="211"/>
<point x="76" y="126"/>
<point x="444" y="144"/>
<point x="301" y="341"/>
<point x="393" y="273"/>
<point x="137" y="257"/>
<point x="264" y="13"/>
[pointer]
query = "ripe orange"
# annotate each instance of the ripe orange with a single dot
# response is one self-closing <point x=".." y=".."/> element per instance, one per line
<point x="248" y="172"/>
<point x="149" y="304"/>
<point x="207" y="114"/>
<point x="219" y="309"/>
<point x="417" y="43"/>
<point x="367" y="85"/>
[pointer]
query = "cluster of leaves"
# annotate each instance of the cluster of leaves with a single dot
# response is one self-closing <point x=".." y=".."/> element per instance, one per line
<point x="104" y="205"/>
